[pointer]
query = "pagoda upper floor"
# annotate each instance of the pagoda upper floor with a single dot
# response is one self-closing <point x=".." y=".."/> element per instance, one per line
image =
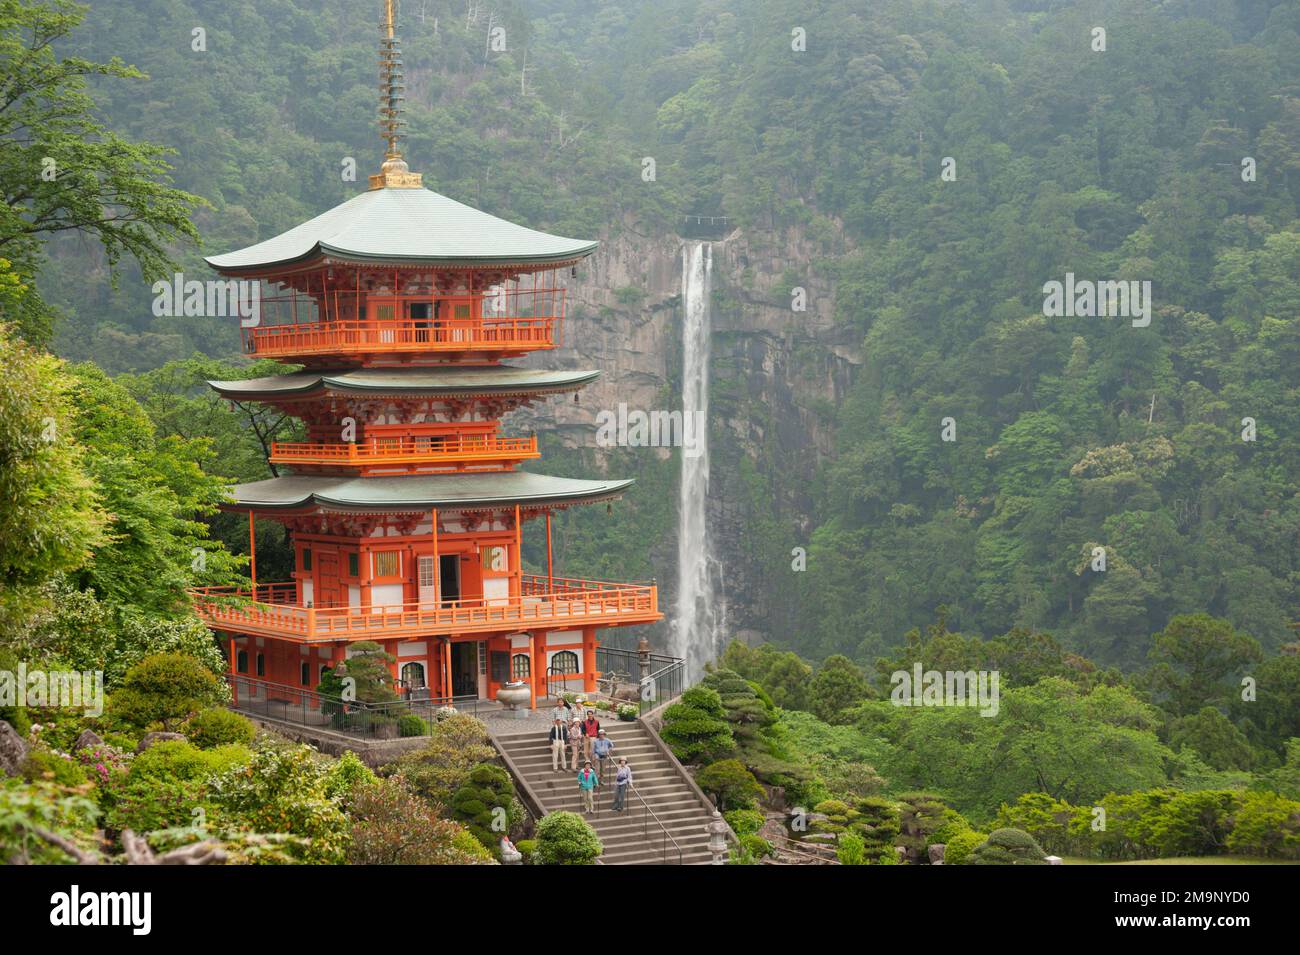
<point x="400" y="276"/>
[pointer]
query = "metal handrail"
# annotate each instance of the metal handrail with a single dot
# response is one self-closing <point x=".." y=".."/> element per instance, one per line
<point x="645" y="828"/>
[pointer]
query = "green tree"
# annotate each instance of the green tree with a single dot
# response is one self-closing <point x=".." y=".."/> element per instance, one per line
<point x="838" y="687"/>
<point x="731" y="785"/>
<point x="63" y="171"/>
<point x="51" y="519"/>
<point x="1194" y="659"/>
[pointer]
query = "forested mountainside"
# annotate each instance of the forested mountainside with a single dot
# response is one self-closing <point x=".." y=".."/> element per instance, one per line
<point x="927" y="291"/>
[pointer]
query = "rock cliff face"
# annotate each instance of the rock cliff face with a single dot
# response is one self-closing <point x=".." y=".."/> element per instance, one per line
<point x="776" y="377"/>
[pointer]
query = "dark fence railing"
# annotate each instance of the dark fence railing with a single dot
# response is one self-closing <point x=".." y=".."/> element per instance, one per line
<point x="304" y="707"/>
<point x="663" y="677"/>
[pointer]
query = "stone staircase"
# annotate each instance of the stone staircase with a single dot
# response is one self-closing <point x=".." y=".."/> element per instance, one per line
<point x="632" y="837"/>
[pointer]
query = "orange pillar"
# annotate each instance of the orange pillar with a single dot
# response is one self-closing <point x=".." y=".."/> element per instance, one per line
<point x="550" y="569"/>
<point x="437" y="569"/>
<point x="532" y="668"/>
<point x="446" y="671"/>
<point x="234" y="660"/>
<point x="252" y="554"/>
<point x="589" y="659"/>
<point x="519" y="554"/>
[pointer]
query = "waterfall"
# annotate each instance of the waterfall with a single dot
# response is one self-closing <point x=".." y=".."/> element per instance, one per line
<point x="695" y="629"/>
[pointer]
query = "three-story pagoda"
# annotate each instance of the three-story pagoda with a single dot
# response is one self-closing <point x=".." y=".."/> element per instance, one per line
<point x="405" y="505"/>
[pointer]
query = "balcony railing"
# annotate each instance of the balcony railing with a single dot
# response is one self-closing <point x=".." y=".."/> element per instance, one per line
<point x="271" y="610"/>
<point x="453" y="451"/>
<point x="495" y="334"/>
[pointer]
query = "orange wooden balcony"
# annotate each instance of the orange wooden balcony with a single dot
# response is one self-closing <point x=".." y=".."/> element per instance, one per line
<point x="271" y="610"/>
<point x="434" y="452"/>
<point x="372" y="337"/>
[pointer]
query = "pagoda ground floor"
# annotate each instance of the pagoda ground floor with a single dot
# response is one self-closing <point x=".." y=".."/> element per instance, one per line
<point x="437" y="669"/>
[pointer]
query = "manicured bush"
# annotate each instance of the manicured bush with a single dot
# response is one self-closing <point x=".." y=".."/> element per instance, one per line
<point x="527" y="848"/>
<point x="730" y="784"/>
<point x="217" y="726"/>
<point x="565" y="838"/>
<point x="408" y="724"/>
<point x="877" y="822"/>
<point x="695" y="727"/>
<point x="839" y="814"/>
<point x="1009" y="847"/>
<point x="756" y="845"/>
<point x="165" y="688"/>
<point x="485" y="804"/>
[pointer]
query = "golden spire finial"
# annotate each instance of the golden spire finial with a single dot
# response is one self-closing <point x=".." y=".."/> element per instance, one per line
<point x="394" y="173"/>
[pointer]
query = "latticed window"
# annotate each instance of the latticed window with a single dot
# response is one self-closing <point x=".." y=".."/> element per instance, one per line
<point x="566" y="661"/>
<point x="386" y="564"/>
<point x="520" y="666"/>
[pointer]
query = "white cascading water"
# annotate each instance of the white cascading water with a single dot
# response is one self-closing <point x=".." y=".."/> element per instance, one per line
<point x="695" y="628"/>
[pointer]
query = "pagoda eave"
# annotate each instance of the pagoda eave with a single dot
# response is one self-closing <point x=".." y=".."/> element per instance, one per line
<point x="308" y="494"/>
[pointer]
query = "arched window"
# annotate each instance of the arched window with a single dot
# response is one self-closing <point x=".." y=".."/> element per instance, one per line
<point x="261" y="665"/>
<point x="565" y="661"/>
<point x="413" y="676"/>
<point x="305" y="672"/>
<point x="241" y="661"/>
<point x="520" y="666"/>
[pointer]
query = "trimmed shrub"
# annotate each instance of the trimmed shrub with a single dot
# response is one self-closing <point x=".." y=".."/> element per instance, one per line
<point x="527" y="848"/>
<point x="756" y="845"/>
<point x="165" y="688"/>
<point x="218" y="726"/>
<point x="1009" y="847"/>
<point x="695" y="727"/>
<point x="565" y="838"/>
<point x="409" y="724"/>
<point x="485" y="803"/>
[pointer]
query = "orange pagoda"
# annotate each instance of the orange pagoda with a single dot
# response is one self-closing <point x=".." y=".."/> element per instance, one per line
<point x="405" y="505"/>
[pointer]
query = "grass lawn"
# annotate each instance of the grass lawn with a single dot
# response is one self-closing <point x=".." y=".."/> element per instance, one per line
<point x="1183" y="860"/>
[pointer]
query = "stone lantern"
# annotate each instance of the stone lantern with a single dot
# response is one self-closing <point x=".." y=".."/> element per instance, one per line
<point x="718" y="839"/>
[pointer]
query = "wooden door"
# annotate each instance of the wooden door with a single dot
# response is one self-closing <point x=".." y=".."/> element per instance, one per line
<point x="327" y="577"/>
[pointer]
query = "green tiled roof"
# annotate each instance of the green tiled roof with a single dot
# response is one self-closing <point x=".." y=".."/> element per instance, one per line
<point x="450" y="381"/>
<point x="419" y="493"/>
<point x="407" y="225"/>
